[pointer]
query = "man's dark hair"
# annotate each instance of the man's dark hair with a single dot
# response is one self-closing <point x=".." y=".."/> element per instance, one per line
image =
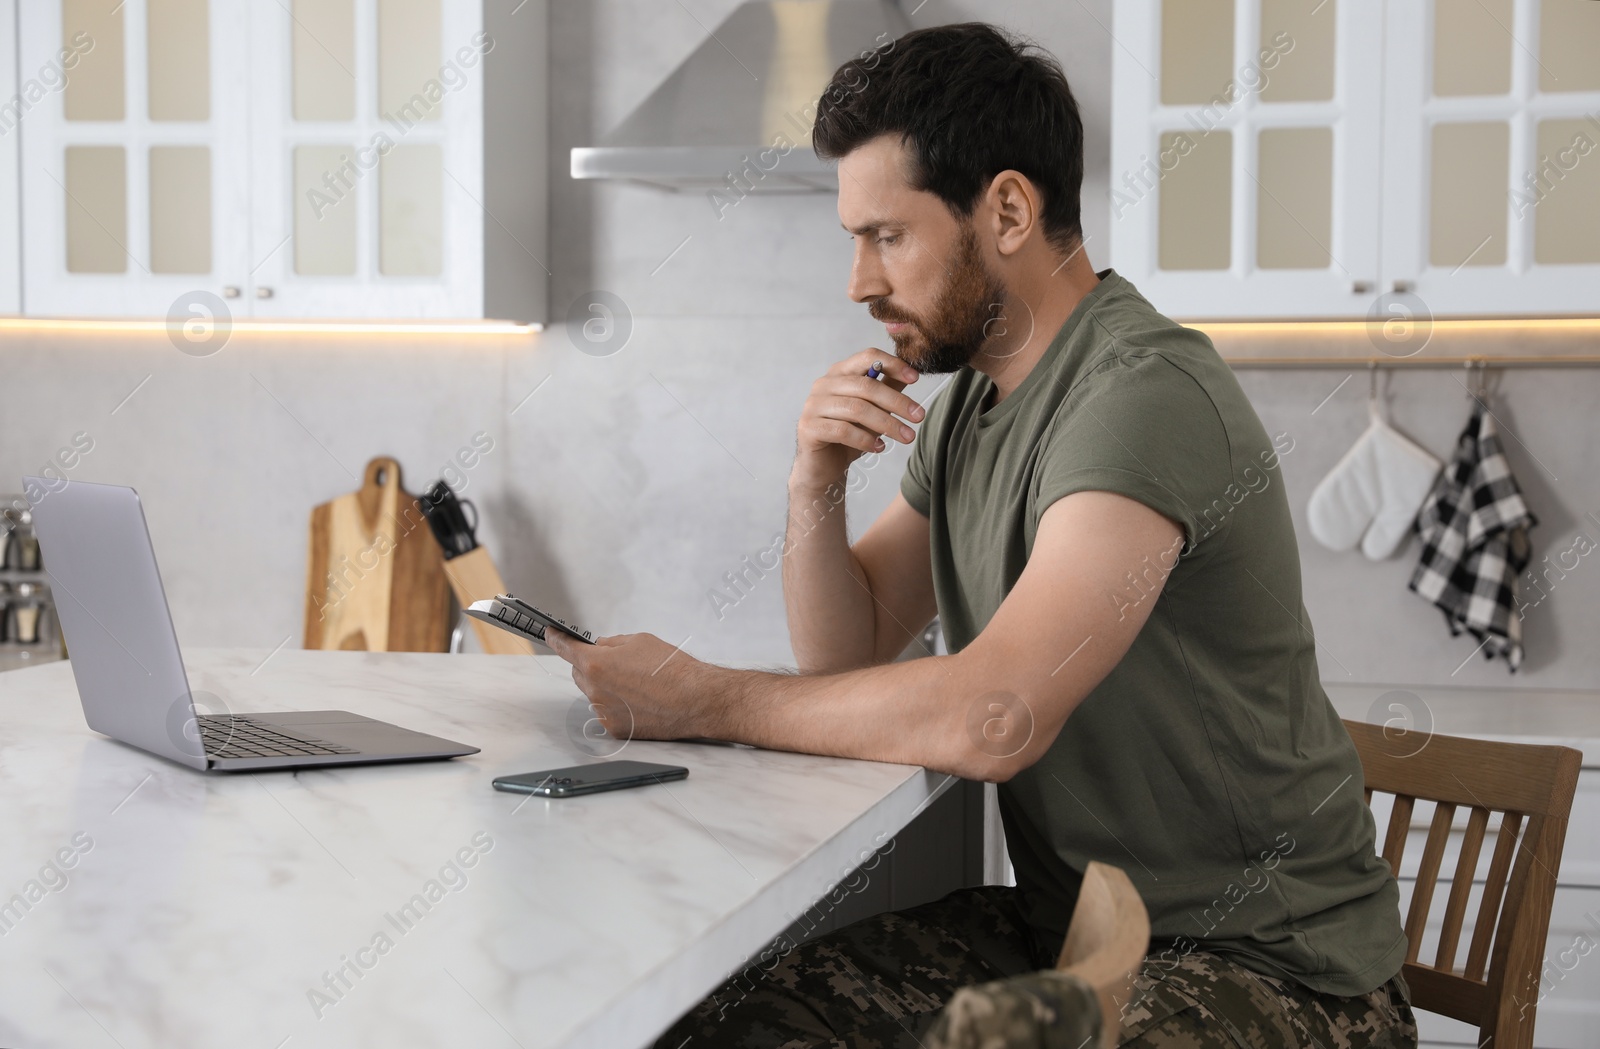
<point x="969" y="102"/>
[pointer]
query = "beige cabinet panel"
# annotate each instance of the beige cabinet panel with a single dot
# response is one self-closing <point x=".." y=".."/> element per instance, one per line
<point x="1196" y="50"/>
<point x="95" y="90"/>
<point x="1569" y="45"/>
<point x="97" y="209"/>
<point x="323" y="53"/>
<point x="1467" y="216"/>
<point x="1471" y="47"/>
<point x="411" y="218"/>
<point x="179" y="59"/>
<point x="1307" y="71"/>
<point x="180" y="209"/>
<point x="324" y="212"/>
<point x="1196" y="201"/>
<point x="1294" y="203"/>
<point x="1567" y="218"/>
<point x="409" y="54"/>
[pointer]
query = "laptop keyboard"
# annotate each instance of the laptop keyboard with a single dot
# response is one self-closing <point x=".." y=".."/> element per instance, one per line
<point x="231" y="736"/>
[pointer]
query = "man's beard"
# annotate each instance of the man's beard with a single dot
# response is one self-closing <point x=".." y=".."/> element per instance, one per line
<point x="954" y="332"/>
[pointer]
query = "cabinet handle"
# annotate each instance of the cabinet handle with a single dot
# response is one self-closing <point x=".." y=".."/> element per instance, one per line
<point x="230" y="291"/>
<point x="1401" y="287"/>
<point x="1360" y="287"/>
<point x="263" y="292"/>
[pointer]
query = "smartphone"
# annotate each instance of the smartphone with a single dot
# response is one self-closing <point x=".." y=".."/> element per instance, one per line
<point x="518" y="617"/>
<point x="590" y="779"/>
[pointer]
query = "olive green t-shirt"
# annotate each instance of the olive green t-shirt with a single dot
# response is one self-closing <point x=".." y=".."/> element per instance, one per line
<point x="1209" y="763"/>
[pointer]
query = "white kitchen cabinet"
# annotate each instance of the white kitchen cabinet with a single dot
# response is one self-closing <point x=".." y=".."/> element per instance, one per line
<point x="1491" y="196"/>
<point x="10" y="113"/>
<point x="1357" y="158"/>
<point x="311" y="159"/>
<point x="130" y="167"/>
<point x="1244" y="155"/>
<point x="379" y="160"/>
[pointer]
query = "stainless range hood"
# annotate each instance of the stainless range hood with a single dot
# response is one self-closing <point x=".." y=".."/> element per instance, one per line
<point x="751" y="86"/>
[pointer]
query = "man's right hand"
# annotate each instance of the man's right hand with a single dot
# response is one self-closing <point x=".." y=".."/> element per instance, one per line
<point x="848" y="415"/>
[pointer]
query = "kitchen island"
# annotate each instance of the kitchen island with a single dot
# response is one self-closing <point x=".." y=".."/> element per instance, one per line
<point x="149" y="906"/>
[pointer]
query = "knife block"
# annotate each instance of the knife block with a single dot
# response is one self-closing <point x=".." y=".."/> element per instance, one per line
<point x="474" y="577"/>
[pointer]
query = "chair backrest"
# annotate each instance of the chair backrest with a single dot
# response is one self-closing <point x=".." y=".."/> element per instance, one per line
<point x="1530" y="788"/>
<point x="1106" y="941"/>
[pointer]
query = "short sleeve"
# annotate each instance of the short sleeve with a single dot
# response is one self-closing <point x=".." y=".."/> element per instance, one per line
<point x="914" y="481"/>
<point x="1142" y="427"/>
<point x="916" y="484"/>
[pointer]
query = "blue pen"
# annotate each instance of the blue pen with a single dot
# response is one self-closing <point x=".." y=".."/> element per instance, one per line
<point x="876" y="370"/>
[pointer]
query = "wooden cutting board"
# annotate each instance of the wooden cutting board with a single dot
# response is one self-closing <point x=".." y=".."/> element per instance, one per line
<point x="375" y="580"/>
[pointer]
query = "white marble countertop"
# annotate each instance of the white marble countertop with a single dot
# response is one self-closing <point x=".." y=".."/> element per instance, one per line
<point x="174" y="908"/>
<point x="1568" y="717"/>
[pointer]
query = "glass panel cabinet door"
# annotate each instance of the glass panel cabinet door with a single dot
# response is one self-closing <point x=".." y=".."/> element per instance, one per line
<point x="132" y="167"/>
<point x="294" y="159"/>
<point x="10" y="234"/>
<point x="1492" y="156"/>
<point x="1245" y="155"/>
<point x="367" y="159"/>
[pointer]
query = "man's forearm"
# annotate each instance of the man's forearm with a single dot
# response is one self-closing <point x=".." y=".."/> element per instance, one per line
<point x="929" y="712"/>
<point x="826" y="594"/>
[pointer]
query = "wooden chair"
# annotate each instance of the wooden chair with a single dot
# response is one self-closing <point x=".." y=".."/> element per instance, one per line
<point x="1531" y="789"/>
<point x="1073" y="1005"/>
<point x="1106" y="942"/>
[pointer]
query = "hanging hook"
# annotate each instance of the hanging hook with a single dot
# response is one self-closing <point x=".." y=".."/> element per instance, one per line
<point x="1477" y="378"/>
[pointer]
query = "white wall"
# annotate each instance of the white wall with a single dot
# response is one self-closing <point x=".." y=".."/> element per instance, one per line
<point x="628" y="485"/>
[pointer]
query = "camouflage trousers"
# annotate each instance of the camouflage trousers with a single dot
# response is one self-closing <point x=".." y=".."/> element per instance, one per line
<point x="883" y="982"/>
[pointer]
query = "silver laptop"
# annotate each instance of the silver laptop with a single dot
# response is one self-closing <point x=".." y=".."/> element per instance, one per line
<point x="124" y="652"/>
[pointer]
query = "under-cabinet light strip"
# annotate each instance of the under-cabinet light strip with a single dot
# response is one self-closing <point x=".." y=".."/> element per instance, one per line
<point x="39" y="325"/>
<point x="1485" y="325"/>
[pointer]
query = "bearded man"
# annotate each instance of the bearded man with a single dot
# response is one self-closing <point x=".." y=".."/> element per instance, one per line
<point x="1094" y="512"/>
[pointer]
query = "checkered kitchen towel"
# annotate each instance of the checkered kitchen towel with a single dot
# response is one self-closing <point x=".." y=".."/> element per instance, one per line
<point x="1474" y="527"/>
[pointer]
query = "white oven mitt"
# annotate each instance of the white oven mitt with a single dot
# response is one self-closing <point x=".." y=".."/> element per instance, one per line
<point x="1372" y="496"/>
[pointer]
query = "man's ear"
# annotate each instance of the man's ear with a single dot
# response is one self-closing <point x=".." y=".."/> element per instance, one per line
<point x="1015" y="204"/>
